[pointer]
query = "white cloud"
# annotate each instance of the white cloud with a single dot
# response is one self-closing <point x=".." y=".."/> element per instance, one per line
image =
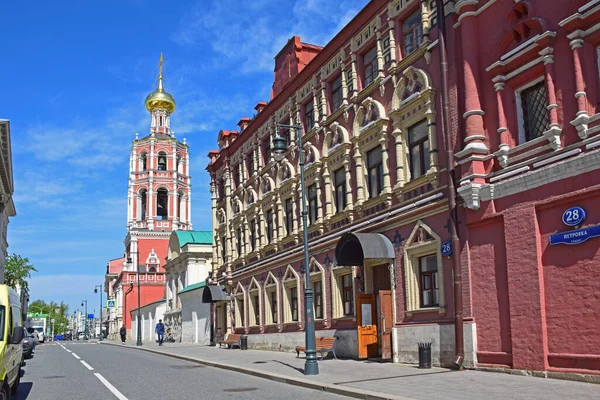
<point x="261" y="28"/>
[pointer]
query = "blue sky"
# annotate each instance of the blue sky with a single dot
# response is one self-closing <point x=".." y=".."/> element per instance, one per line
<point x="74" y="77"/>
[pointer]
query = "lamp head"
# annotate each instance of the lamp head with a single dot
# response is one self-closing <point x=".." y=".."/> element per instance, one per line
<point x="95" y="290"/>
<point x="279" y="148"/>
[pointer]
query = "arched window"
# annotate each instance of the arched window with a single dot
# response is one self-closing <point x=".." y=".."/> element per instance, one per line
<point x="143" y="202"/>
<point x="179" y="198"/>
<point x="152" y="269"/>
<point x="162" y="161"/>
<point x="162" y="204"/>
<point x="160" y="121"/>
<point x="143" y="160"/>
<point x="178" y="162"/>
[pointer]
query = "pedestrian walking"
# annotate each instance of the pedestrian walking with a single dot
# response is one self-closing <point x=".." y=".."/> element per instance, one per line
<point x="160" y="331"/>
<point x="123" y="332"/>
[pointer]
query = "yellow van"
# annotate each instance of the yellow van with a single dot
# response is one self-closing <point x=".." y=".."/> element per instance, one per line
<point x="11" y="336"/>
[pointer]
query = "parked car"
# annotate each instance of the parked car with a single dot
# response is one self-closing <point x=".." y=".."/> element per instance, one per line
<point x="82" y="336"/>
<point x="11" y="337"/>
<point x="28" y="346"/>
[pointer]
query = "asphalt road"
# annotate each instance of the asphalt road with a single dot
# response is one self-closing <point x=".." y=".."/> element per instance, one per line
<point x="91" y="371"/>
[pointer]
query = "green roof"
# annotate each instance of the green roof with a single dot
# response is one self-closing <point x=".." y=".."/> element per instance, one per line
<point x="194" y="237"/>
<point x="149" y="304"/>
<point x="192" y="287"/>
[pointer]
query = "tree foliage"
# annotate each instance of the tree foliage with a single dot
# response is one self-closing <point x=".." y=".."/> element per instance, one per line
<point x="18" y="271"/>
<point x="53" y="310"/>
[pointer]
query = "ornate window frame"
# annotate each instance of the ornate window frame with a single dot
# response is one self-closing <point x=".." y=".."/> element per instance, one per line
<point x="271" y="285"/>
<point x="239" y="299"/>
<point x="312" y="173"/>
<point x="369" y="130"/>
<point x="337" y="295"/>
<point x="254" y="290"/>
<point x="286" y="189"/>
<point x="414" y="249"/>
<point x="290" y="281"/>
<point x="335" y="157"/>
<point x="317" y="274"/>
<point x="413" y="101"/>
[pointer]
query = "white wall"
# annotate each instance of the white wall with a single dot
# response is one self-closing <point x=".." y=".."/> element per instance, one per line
<point x="195" y="316"/>
<point x="149" y="316"/>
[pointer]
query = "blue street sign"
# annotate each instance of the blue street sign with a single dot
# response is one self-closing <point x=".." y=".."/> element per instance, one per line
<point x="447" y="248"/>
<point x="573" y="216"/>
<point x="575" y="237"/>
<point x="110" y="304"/>
<point x="90" y="316"/>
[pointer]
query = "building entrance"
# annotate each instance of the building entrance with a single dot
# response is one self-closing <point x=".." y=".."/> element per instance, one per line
<point x="374" y="308"/>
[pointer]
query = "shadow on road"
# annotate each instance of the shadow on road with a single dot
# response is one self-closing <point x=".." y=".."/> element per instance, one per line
<point x="23" y="391"/>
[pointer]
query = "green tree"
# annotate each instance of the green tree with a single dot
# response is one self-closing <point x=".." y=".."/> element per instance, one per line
<point x="53" y="310"/>
<point x="17" y="271"/>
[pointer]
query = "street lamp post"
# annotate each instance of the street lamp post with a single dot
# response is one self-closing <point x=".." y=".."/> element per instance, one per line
<point x="139" y="315"/>
<point x="279" y="149"/>
<point x="85" y="319"/>
<point x="98" y="288"/>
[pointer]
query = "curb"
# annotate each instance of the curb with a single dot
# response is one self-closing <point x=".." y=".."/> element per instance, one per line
<point x="305" y="383"/>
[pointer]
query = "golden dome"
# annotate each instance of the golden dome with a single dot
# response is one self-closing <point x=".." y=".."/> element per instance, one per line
<point x="160" y="99"/>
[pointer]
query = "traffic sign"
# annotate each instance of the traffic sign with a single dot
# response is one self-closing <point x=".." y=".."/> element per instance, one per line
<point x="90" y="316"/>
<point x="110" y="304"/>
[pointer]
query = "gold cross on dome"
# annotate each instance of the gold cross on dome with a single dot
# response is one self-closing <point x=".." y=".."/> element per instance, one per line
<point x="160" y="63"/>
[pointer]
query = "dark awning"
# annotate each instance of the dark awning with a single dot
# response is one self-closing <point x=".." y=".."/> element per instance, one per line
<point x="214" y="293"/>
<point x="353" y="248"/>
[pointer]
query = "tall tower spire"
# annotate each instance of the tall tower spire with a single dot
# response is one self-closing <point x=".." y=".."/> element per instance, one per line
<point x="161" y="105"/>
<point x="159" y="178"/>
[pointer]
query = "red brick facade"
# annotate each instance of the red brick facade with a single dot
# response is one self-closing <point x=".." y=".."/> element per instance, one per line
<point x="523" y="94"/>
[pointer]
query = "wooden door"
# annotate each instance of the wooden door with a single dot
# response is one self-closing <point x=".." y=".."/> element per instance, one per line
<point x="367" y="326"/>
<point x="386" y="323"/>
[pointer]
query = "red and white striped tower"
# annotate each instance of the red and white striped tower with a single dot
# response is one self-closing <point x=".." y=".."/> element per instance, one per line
<point x="159" y="182"/>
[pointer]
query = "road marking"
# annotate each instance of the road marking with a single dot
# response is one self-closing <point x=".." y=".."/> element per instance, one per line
<point x="110" y="387"/>
<point x="88" y="366"/>
<point x="68" y="350"/>
<point x="76" y="356"/>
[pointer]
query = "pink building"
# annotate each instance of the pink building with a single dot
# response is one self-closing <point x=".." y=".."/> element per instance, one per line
<point x="158" y="202"/>
<point x="523" y="93"/>
<point x="529" y="105"/>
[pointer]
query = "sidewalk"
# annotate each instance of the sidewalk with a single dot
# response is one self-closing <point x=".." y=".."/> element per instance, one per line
<point x="372" y="380"/>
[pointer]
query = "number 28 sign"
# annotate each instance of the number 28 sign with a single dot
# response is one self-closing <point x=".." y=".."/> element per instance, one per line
<point x="573" y="216"/>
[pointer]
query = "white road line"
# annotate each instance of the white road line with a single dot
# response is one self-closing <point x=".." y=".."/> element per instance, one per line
<point x="76" y="356"/>
<point x="68" y="350"/>
<point x="110" y="387"/>
<point x="88" y="366"/>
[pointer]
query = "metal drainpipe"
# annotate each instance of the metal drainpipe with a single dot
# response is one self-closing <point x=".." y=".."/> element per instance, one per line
<point x="125" y="302"/>
<point x="456" y="267"/>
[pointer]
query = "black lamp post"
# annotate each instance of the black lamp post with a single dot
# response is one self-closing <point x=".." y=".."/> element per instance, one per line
<point x="86" y="318"/>
<point x="280" y="147"/>
<point x="139" y="315"/>
<point x="98" y="288"/>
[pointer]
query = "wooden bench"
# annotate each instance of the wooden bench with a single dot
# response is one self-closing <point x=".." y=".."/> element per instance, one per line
<point x="233" y="339"/>
<point x="323" y="345"/>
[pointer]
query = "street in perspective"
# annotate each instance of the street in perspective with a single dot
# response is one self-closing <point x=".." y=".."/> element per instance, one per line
<point x="392" y="199"/>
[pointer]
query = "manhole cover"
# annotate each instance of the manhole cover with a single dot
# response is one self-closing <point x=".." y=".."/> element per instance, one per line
<point x="54" y="377"/>
<point x="185" y="366"/>
<point x="240" y="390"/>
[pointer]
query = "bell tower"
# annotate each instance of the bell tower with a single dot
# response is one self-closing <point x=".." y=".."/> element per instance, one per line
<point x="159" y="182"/>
